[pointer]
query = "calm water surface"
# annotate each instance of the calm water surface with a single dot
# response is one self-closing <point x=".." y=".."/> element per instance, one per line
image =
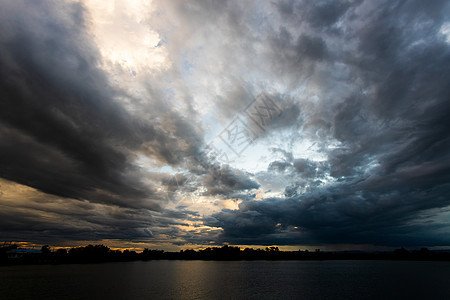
<point x="229" y="280"/>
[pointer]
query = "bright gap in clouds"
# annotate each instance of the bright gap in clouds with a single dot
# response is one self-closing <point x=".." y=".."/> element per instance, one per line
<point x="445" y="31"/>
<point x="131" y="51"/>
<point x="123" y="36"/>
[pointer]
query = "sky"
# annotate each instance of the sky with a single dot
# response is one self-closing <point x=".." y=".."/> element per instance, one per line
<point x="186" y="124"/>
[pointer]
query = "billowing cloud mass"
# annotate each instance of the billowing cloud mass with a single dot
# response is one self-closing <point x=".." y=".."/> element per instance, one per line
<point x="176" y="123"/>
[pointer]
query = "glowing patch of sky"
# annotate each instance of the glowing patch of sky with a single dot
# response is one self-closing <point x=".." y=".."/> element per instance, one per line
<point x="445" y="31"/>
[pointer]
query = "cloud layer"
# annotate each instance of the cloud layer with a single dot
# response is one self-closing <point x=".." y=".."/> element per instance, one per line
<point x="106" y="140"/>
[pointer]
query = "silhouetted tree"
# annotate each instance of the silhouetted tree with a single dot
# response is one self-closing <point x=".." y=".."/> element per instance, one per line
<point x="61" y="252"/>
<point x="45" y="249"/>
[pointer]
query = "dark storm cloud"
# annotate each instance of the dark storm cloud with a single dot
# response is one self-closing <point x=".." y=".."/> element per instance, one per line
<point x="279" y="166"/>
<point x="294" y="57"/>
<point x="61" y="129"/>
<point x="389" y="170"/>
<point x="320" y="14"/>
<point x="267" y="114"/>
<point x="216" y="179"/>
<point x="223" y="180"/>
<point x="29" y="215"/>
<point x="178" y="138"/>
<point x="44" y="218"/>
<point x="339" y="215"/>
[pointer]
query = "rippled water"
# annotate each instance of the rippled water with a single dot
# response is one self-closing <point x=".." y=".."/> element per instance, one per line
<point x="229" y="280"/>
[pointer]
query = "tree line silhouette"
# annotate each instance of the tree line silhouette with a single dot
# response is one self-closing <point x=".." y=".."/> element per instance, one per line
<point x="12" y="254"/>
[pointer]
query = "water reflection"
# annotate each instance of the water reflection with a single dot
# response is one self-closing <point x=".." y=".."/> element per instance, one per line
<point x="229" y="280"/>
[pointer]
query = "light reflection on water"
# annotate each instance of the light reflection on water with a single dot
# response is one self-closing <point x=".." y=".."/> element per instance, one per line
<point x="229" y="280"/>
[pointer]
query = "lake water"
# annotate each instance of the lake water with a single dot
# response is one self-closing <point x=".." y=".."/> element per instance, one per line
<point x="229" y="280"/>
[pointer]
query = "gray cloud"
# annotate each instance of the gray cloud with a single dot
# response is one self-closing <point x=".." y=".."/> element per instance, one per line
<point x="63" y="131"/>
<point x="391" y="166"/>
<point x="225" y="180"/>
